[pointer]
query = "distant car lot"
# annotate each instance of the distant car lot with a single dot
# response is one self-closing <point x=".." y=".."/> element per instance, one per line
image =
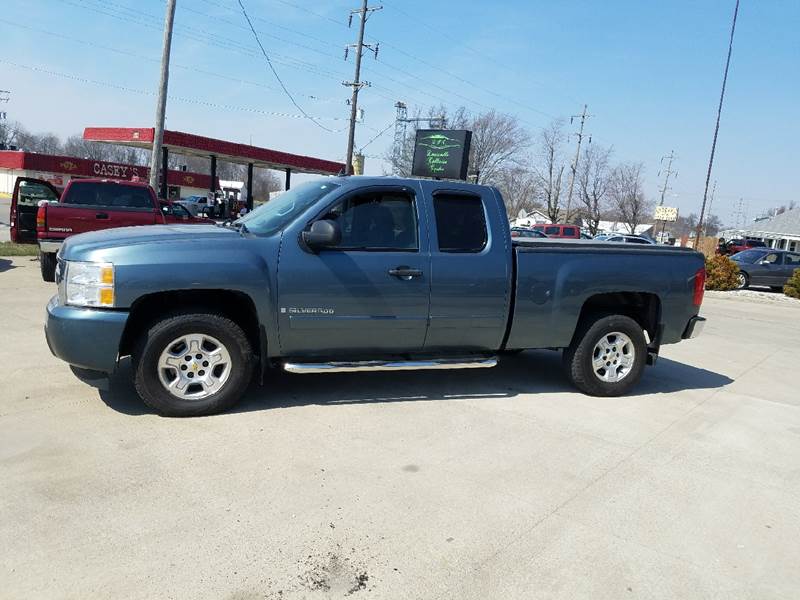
<point x="476" y="484"/>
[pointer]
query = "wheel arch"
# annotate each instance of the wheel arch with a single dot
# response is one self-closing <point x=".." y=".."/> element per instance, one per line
<point x="235" y="305"/>
<point x="643" y="307"/>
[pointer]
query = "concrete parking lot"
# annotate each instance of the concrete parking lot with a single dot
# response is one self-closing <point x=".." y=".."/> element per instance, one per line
<point x="477" y="484"/>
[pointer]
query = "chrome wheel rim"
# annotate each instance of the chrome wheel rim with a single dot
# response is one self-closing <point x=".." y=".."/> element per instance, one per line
<point x="742" y="280"/>
<point x="194" y="366"/>
<point x="613" y="357"/>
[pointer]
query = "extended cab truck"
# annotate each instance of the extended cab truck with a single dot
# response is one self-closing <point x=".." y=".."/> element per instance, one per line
<point x="41" y="213"/>
<point x="359" y="273"/>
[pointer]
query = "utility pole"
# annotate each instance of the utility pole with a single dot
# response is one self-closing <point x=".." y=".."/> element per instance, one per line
<point x="357" y="84"/>
<point x="667" y="173"/>
<point x="401" y="122"/>
<point x="710" y="203"/>
<point x="583" y="116"/>
<point x="716" y="128"/>
<point x="161" y="103"/>
<point x="5" y="96"/>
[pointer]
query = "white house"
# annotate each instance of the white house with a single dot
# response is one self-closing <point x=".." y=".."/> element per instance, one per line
<point x="618" y="227"/>
<point x="529" y="219"/>
<point x="781" y="231"/>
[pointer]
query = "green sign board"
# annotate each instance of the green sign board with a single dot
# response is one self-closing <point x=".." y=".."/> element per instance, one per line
<point x="441" y="153"/>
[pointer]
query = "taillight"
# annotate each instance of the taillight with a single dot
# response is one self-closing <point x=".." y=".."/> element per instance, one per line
<point x="41" y="219"/>
<point x="699" y="286"/>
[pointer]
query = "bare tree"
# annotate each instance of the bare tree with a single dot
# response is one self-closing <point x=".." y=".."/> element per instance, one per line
<point x="550" y="168"/>
<point x="594" y="180"/>
<point x="627" y="196"/>
<point x="497" y="142"/>
<point x="519" y="187"/>
<point x="9" y="131"/>
<point x="43" y="143"/>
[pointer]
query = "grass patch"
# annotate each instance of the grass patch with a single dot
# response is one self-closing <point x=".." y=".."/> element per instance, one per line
<point x="12" y="249"/>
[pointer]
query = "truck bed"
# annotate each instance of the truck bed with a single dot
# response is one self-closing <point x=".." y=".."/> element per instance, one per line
<point x="554" y="279"/>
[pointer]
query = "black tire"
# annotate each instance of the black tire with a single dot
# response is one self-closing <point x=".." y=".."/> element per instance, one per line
<point x="578" y="357"/>
<point x="158" y="338"/>
<point x="744" y="281"/>
<point x="47" y="265"/>
<point x="777" y="288"/>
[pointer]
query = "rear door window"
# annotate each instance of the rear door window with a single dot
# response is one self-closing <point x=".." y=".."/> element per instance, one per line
<point x="552" y="230"/>
<point x="31" y="192"/>
<point x="569" y="232"/>
<point x="793" y="259"/>
<point x="460" y="222"/>
<point x="109" y="195"/>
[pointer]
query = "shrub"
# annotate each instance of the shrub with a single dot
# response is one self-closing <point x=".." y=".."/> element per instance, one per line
<point x="721" y="273"/>
<point x="792" y="287"/>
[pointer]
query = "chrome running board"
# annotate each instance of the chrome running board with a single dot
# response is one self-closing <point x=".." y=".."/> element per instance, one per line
<point x="391" y="365"/>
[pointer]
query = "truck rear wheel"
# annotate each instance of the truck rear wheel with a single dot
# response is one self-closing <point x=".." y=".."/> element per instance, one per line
<point x="47" y="265"/>
<point x="607" y="356"/>
<point x="192" y="364"/>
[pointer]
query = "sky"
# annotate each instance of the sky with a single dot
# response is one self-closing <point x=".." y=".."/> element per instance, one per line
<point x="650" y="73"/>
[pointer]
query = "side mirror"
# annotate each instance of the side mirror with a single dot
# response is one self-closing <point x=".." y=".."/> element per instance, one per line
<point x="165" y="210"/>
<point x="323" y="234"/>
<point x="764" y="262"/>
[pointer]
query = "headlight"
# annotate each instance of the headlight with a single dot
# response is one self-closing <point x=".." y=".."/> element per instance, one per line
<point x="89" y="284"/>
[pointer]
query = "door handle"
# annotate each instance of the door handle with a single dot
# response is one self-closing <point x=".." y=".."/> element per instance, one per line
<point x="405" y="273"/>
<point x="101" y="216"/>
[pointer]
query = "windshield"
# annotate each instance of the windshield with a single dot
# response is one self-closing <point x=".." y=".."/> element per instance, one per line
<point x="748" y="256"/>
<point x="276" y="214"/>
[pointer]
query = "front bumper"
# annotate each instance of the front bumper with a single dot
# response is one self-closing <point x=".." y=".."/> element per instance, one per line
<point x="694" y="328"/>
<point x="88" y="338"/>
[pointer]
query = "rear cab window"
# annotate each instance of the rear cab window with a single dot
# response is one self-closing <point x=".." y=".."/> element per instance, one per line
<point x="569" y="232"/>
<point x="552" y="230"/>
<point x="109" y="195"/>
<point x="460" y="222"/>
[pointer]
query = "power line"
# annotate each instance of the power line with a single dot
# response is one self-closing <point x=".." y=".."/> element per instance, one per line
<point x="716" y="127"/>
<point x="183" y="99"/>
<point x="138" y="56"/>
<point x="278" y="77"/>
<point x="376" y="136"/>
<point x="478" y="53"/>
<point x="388" y="64"/>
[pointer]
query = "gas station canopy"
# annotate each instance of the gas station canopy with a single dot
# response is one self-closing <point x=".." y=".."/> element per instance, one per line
<point x="198" y="145"/>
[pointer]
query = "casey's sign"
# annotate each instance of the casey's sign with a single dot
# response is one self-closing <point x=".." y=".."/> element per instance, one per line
<point x="104" y="169"/>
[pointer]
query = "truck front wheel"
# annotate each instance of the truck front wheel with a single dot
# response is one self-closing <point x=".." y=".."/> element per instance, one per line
<point x="607" y="356"/>
<point x="192" y="364"/>
<point x="47" y="265"/>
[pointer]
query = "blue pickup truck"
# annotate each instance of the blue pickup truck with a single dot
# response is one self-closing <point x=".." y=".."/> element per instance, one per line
<point x="361" y="273"/>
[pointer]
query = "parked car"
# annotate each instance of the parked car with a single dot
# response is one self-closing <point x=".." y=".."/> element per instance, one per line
<point x="559" y="231"/>
<point x="738" y="245"/>
<point x="627" y="239"/>
<point x="360" y="274"/>
<point x="525" y="232"/>
<point x="765" y="266"/>
<point x="85" y="205"/>
<point x="196" y="205"/>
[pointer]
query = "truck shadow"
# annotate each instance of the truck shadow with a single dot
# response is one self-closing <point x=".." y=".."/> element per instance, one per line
<point x="6" y="265"/>
<point x="532" y="372"/>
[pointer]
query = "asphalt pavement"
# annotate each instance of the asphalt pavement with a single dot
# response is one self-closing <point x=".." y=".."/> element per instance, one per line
<point x="477" y="484"/>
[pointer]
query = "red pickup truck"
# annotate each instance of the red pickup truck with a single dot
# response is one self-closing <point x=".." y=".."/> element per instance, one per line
<point x="40" y="213"/>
